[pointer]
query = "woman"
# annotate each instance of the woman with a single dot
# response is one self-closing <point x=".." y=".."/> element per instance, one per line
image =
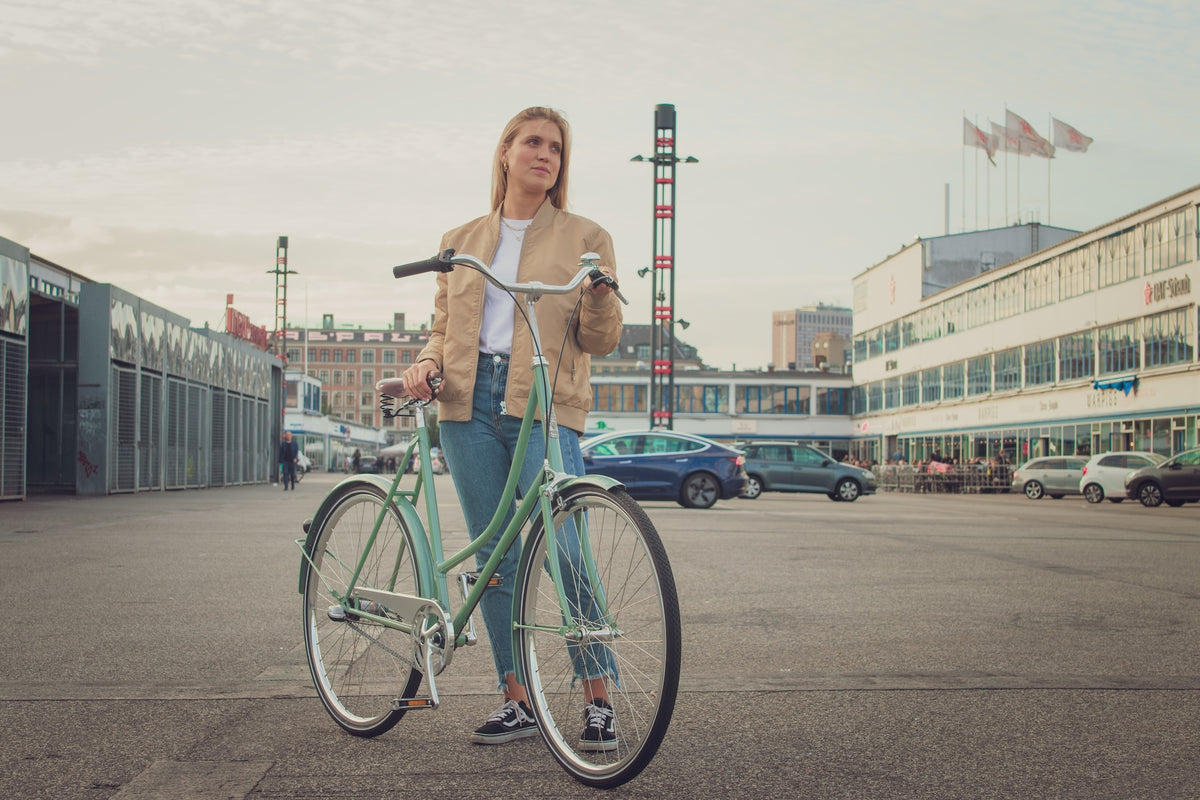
<point x="484" y="351"/>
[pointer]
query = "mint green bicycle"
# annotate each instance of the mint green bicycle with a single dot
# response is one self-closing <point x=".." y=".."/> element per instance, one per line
<point x="594" y="590"/>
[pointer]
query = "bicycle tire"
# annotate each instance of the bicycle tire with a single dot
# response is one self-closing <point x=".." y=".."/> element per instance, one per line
<point x="643" y="606"/>
<point x="355" y="663"/>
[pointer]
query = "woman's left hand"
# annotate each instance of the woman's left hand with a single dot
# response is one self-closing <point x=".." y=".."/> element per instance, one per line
<point x="600" y="289"/>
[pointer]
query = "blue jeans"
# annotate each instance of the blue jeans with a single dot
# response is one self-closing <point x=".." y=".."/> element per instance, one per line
<point x="480" y="453"/>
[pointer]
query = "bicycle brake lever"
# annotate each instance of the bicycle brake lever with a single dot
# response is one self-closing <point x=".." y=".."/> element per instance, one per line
<point x="598" y="277"/>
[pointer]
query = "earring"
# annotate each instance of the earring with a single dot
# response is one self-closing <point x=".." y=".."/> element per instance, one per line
<point x="504" y="166"/>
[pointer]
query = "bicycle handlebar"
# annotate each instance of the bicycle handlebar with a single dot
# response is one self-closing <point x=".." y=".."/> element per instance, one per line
<point x="447" y="260"/>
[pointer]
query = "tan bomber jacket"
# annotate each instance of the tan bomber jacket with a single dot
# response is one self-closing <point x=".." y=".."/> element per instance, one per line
<point x="550" y="253"/>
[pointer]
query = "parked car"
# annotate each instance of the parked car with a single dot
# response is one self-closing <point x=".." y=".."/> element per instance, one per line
<point x="1175" y="481"/>
<point x="1104" y="475"/>
<point x="368" y="464"/>
<point x="667" y="465"/>
<point x="1050" y="475"/>
<point x="790" y="467"/>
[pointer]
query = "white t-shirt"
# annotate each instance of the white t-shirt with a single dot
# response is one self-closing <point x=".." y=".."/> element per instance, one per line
<point x="496" y="333"/>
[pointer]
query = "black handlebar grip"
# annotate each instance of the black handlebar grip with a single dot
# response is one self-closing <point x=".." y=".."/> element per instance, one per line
<point x="439" y="263"/>
<point x="599" y="277"/>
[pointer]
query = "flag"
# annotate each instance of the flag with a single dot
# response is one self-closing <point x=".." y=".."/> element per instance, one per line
<point x="977" y="138"/>
<point x="1067" y="137"/>
<point x="1028" y="140"/>
<point x="1006" y="141"/>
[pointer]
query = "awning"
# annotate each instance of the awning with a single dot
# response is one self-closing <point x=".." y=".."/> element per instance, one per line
<point x="1126" y="384"/>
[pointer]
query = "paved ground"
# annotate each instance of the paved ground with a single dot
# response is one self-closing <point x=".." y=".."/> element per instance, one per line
<point x="900" y="646"/>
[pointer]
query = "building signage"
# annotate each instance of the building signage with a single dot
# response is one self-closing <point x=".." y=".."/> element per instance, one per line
<point x="239" y="325"/>
<point x="1167" y="289"/>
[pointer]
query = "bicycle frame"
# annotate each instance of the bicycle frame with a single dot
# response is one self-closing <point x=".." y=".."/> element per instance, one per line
<point x="434" y="566"/>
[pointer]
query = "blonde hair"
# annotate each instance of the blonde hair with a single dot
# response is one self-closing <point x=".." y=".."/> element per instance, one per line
<point x="558" y="192"/>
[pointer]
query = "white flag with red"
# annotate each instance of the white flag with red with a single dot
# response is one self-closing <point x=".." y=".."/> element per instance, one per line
<point x="1070" y="139"/>
<point x="976" y="138"/>
<point x="1029" y="140"/>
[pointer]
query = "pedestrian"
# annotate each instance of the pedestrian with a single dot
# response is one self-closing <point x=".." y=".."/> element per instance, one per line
<point x="355" y="461"/>
<point x="289" y="454"/>
<point x="484" y="351"/>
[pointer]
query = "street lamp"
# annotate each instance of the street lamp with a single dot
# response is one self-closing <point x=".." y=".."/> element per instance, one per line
<point x="662" y="291"/>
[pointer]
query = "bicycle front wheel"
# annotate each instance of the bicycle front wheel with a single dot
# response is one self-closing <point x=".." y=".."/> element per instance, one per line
<point x="359" y="666"/>
<point x="622" y="627"/>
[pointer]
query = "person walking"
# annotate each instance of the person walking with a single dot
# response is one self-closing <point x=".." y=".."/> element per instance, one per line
<point x="484" y="352"/>
<point x="289" y="454"/>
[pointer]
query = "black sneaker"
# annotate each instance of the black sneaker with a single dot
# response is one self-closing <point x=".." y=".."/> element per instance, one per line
<point x="599" y="728"/>
<point x="512" y="720"/>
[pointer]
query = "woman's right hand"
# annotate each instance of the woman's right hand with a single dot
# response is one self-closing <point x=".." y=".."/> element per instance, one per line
<point x="416" y="379"/>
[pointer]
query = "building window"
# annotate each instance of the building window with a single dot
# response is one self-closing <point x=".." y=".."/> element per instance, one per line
<point x="406" y="356"/>
<point x="891" y="393"/>
<point x="860" y="348"/>
<point x="312" y="354"/>
<point x="337" y="377"/>
<point x="1119" y="348"/>
<point x="368" y="356"/>
<point x="368" y="377"/>
<point x="875" y="343"/>
<point x="350" y="356"/>
<point x="859" y="395"/>
<point x="1168" y="339"/>
<point x="1010" y="296"/>
<point x="1008" y="370"/>
<point x="931" y="385"/>
<point x="1168" y="241"/>
<point x="337" y="356"/>
<point x="1041" y="281"/>
<point x="324" y="356"/>
<point x="875" y="396"/>
<point x="367" y="400"/>
<point x="952" y="381"/>
<point x="615" y="397"/>
<point x="832" y="401"/>
<point x="389" y="356"/>
<point x="1076" y="357"/>
<point x="1076" y="275"/>
<point x="891" y="337"/>
<point x="1117" y="258"/>
<point x="910" y="390"/>
<point x="323" y="375"/>
<point x="979" y="375"/>
<point x="979" y="306"/>
<point x="711" y="399"/>
<point x="1039" y="363"/>
<point x="351" y="377"/>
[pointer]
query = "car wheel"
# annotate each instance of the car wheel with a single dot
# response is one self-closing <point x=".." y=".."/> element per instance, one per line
<point x="833" y="496"/>
<point x="1150" y="494"/>
<point x="1034" y="490"/>
<point x="847" y="490"/>
<point x="1093" y="493"/>
<point x="699" y="491"/>
<point x="753" y="488"/>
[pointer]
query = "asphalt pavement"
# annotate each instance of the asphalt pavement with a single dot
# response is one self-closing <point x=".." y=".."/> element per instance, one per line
<point x="902" y="646"/>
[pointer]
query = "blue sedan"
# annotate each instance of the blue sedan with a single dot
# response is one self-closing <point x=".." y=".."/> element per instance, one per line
<point x="666" y="465"/>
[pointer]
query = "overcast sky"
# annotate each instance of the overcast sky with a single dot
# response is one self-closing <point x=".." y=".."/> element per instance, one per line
<point x="163" y="146"/>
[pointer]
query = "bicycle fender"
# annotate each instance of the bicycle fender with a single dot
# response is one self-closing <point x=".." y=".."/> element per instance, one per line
<point x="424" y="557"/>
<point x="599" y="481"/>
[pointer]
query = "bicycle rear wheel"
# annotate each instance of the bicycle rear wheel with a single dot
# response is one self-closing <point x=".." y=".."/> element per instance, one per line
<point x="635" y="647"/>
<point x="358" y="666"/>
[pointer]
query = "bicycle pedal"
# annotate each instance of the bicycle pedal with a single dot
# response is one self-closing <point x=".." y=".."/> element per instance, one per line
<point x="412" y="703"/>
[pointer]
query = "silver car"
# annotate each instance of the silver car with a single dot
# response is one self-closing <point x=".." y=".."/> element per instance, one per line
<point x="1050" y="475"/>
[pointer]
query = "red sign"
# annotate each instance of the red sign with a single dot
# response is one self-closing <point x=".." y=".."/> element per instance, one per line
<point x="239" y="325"/>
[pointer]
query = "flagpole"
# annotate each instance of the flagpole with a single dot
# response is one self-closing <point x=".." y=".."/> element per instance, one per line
<point x="989" y="183"/>
<point x="1006" y="165"/>
<point x="977" y="177"/>
<point x="964" y="178"/>
<point x="1049" y="158"/>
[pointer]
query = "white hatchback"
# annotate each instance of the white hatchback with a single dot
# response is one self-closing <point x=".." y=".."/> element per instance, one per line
<point x="1104" y="475"/>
